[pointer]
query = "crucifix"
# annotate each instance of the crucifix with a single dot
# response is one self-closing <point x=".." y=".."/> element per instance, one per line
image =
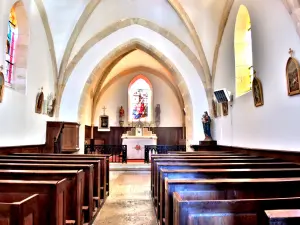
<point x="291" y="52"/>
<point x="104" y="108"/>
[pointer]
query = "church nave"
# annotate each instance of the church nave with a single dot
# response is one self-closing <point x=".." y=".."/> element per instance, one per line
<point x="129" y="201"/>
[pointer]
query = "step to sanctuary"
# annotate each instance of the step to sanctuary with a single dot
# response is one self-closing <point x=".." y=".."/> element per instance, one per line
<point x="129" y="167"/>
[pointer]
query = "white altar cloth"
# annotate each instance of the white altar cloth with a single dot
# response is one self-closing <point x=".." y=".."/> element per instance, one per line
<point x="134" y="143"/>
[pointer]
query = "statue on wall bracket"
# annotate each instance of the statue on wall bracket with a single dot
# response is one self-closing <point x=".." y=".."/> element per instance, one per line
<point x="2" y="83"/>
<point x="257" y="91"/>
<point x="121" y="116"/>
<point x="39" y="101"/>
<point x="157" y="115"/>
<point x="51" y="103"/>
<point x="104" y="120"/>
<point x="206" y="122"/>
<point x="292" y="75"/>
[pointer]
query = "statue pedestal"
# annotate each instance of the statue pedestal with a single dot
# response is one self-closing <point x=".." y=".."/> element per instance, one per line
<point x="205" y="146"/>
<point x="208" y="143"/>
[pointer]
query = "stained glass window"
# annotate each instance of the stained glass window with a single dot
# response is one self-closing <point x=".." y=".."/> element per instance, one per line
<point x="12" y="36"/>
<point x="140" y="100"/>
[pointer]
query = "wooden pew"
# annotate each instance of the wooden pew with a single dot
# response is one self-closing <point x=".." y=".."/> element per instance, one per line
<point x="216" y="189"/>
<point x="18" y="210"/>
<point x="201" y="152"/>
<point x="104" y="158"/>
<point x="281" y="217"/>
<point x="51" y="199"/>
<point x="218" y="173"/>
<point x="88" y="178"/>
<point x="74" y="188"/>
<point x="226" y="212"/>
<point x="178" y="158"/>
<point x="213" y="165"/>
<point x="99" y="188"/>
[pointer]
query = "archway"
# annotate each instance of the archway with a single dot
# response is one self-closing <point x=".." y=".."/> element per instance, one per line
<point x="194" y="95"/>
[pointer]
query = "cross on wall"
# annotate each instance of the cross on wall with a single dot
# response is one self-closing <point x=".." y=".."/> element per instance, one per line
<point x="104" y="108"/>
<point x="291" y="52"/>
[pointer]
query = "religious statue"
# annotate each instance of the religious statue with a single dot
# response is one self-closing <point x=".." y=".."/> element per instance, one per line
<point x="39" y="102"/>
<point x="1" y="84"/>
<point x="157" y="115"/>
<point x="121" y="115"/>
<point x="206" y="121"/>
<point x="51" y="105"/>
<point x="121" y="112"/>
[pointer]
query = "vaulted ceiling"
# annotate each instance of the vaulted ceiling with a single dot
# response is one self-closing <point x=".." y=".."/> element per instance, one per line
<point x="199" y="24"/>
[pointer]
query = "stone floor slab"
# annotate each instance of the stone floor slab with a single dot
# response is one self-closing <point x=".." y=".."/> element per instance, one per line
<point x="129" y="202"/>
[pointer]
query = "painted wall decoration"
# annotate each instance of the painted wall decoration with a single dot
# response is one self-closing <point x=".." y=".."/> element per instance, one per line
<point x="257" y="91"/>
<point x="292" y="75"/>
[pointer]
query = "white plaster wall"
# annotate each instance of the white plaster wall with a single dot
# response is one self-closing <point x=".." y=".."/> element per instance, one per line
<point x="19" y="124"/>
<point x="85" y="120"/>
<point x="111" y="11"/>
<point x="70" y="99"/>
<point x="205" y="16"/>
<point x="117" y="95"/>
<point x="275" y="125"/>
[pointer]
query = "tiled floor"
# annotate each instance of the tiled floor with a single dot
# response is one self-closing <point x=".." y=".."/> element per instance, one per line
<point x="129" y="202"/>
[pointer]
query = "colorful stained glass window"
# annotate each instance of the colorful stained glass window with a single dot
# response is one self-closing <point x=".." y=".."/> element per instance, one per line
<point x="12" y="36"/>
<point x="140" y="100"/>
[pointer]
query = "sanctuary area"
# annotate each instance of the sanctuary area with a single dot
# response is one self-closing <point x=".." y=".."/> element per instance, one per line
<point x="149" y="112"/>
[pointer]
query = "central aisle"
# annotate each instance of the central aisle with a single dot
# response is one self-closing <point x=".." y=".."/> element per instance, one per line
<point x="129" y="202"/>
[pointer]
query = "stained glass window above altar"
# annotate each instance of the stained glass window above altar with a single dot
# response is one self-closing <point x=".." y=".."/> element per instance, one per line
<point x="140" y="99"/>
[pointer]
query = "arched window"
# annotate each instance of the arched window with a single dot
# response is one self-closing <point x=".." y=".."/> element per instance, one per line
<point x="12" y="36"/>
<point x="243" y="52"/>
<point x="140" y="99"/>
<point x="17" y="45"/>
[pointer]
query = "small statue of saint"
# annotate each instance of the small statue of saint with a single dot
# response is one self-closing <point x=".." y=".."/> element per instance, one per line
<point x="121" y="112"/>
<point x="121" y="115"/>
<point x="39" y="102"/>
<point x="206" y="121"/>
<point x="157" y="115"/>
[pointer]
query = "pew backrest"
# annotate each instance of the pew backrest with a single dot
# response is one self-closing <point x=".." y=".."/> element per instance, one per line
<point x="22" y="212"/>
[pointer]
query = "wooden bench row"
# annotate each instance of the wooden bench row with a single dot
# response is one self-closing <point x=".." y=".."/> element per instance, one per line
<point x="214" y="192"/>
<point x="67" y="189"/>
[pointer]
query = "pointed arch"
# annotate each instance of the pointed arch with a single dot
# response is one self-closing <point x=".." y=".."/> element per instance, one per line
<point x="243" y="52"/>
<point x="100" y="71"/>
<point x="17" y="48"/>
<point x="120" y="25"/>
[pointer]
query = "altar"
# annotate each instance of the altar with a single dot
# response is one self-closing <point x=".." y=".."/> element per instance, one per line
<point x="136" y="139"/>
